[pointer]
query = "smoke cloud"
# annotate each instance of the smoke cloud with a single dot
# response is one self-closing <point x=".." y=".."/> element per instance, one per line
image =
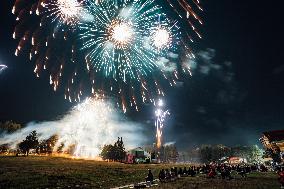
<point x="89" y="126"/>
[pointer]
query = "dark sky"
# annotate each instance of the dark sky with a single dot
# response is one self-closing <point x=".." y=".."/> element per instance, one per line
<point x="231" y="102"/>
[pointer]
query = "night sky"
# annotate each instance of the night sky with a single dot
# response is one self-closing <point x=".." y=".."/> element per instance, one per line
<point x="235" y="93"/>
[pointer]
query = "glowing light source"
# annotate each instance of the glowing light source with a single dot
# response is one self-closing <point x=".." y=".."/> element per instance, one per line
<point x="68" y="12"/>
<point x="160" y="102"/>
<point x="158" y="112"/>
<point x="121" y="33"/>
<point x="161" y="38"/>
<point x="2" y="67"/>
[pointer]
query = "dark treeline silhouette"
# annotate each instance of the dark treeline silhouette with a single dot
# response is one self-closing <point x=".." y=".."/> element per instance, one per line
<point x="216" y="153"/>
<point x="114" y="152"/>
<point x="31" y="142"/>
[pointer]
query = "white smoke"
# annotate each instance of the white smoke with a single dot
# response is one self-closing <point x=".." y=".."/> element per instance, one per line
<point x="89" y="126"/>
<point x="166" y="65"/>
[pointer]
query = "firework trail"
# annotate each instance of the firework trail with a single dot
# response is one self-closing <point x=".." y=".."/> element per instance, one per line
<point x="46" y="30"/>
<point x="159" y="123"/>
<point x="2" y="67"/>
<point x="185" y="9"/>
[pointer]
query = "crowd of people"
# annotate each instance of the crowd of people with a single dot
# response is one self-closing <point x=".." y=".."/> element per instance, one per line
<point x="213" y="170"/>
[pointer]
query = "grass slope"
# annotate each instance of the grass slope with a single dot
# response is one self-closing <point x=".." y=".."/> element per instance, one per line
<point x="54" y="172"/>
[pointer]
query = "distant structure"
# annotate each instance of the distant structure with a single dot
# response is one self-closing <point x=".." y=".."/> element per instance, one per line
<point x="138" y="155"/>
<point x="274" y="140"/>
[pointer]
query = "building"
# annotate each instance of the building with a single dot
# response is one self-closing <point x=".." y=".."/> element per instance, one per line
<point x="274" y="140"/>
<point x="138" y="155"/>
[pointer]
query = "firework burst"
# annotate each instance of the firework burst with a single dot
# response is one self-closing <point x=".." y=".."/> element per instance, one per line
<point x="124" y="44"/>
<point x="65" y="12"/>
<point x="124" y="41"/>
<point x="46" y="31"/>
<point x="112" y="47"/>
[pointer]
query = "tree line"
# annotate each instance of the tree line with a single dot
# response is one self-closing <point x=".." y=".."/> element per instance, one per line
<point x="215" y="153"/>
<point x="115" y="152"/>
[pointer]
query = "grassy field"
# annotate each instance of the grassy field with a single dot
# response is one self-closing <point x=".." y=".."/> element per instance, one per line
<point x="54" y="172"/>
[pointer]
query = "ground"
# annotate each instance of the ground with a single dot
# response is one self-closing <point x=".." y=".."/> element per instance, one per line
<point x="54" y="172"/>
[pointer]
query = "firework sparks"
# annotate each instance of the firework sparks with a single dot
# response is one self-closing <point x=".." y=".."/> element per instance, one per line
<point x="123" y="45"/>
<point x="2" y="67"/>
<point x="159" y="123"/>
<point x="161" y="38"/>
<point x="127" y="46"/>
<point x="117" y="41"/>
<point x="46" y="30"/>
<point x="68" y="12"/>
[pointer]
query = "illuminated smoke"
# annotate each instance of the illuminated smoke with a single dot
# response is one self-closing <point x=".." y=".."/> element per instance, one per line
<point x="89" y="126"/>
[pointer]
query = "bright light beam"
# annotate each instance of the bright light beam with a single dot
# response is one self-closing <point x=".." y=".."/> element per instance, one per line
<point x="2" y="67"/>
<point x="159" y="123"/>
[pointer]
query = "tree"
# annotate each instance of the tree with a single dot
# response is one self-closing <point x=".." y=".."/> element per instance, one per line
<point x="255" y="154"/>
<point x="4" y="148"/>
<point x="169" y="153"/>
<point x="114" y="152"/>
<point x="108" y="152"/>
<point x="120" y="150"/>
<point x="206" y="152"/>
<point x="31" y="142"/>
<point x="47" y="146"/>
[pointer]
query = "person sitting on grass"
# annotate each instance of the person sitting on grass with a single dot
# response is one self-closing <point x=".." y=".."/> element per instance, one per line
<point x="192" y="172"/>
<point x="162" y="176"/>
<point x="281" y="177"/>
<point x="184" y="172"/>
<point x="168" y="175"/>
<point x="228" y="173"/>
<point x="180" y="172"/>
<point x="212" y="173"/>
<point x="263" y="168"/>
<point x="173" y="174"/>
<point x="150" y="177"/>
<point x="189" y="171"/>
<point x="176" y="171"/>
<point x="242" y="172"/>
